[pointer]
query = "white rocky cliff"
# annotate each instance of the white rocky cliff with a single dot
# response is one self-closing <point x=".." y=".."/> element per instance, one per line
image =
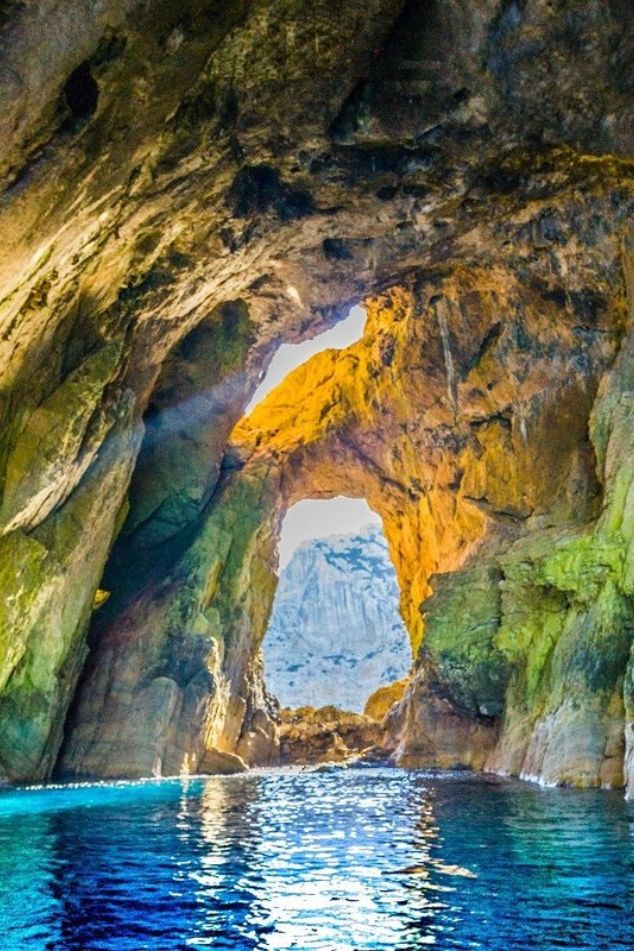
<point x="335" y="633"/>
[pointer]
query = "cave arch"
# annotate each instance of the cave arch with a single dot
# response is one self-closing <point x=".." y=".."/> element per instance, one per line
<point x="334" y="635"/>
<point x="447" y="487"/>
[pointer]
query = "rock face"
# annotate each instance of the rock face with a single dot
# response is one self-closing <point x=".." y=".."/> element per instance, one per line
<point x="186" y="185"/>
<point x="383" y="699"/>
<point x="335" y="634"/>
<point x="310" y="735"/>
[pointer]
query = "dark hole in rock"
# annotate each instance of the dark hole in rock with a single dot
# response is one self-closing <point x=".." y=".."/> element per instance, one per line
<point x="416" y="191"/>
<point x="335" y="249"/>
<point x="259" y="188"/>
<point x="81" y="93"/>
<point x="111" y="48"/>
<point x="460" y="96"/>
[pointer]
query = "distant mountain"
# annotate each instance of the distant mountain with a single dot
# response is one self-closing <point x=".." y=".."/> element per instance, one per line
<point x="335" y="633"/>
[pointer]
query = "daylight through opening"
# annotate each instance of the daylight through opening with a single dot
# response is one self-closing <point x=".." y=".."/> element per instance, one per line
<point x="292" y="355"/>
<point x="335" y="634"/>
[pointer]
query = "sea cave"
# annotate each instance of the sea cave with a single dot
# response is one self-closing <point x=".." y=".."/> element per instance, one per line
<point x="261" y="255"/>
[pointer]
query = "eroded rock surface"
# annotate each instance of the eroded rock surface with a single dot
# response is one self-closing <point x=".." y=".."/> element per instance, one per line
<point x="184" y="186"/>
<point x="310" y="735"/>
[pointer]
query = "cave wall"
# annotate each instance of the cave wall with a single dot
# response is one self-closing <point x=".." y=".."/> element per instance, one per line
<point x="538" y="638"/>
<point x="145" y="190"/>
<point x="177" y="674"/>
<point x="183" y="186"/>
<point x="474" y="446"/>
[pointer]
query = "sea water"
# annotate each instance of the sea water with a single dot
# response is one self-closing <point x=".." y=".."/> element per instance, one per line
<point x="344" y="859"/>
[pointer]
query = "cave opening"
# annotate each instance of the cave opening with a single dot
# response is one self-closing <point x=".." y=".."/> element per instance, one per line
<point x="289" y="356"/>
<point x="335" y="635"/>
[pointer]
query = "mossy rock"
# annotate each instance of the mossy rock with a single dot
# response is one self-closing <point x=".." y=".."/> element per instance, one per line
<point x="462" y="619"/>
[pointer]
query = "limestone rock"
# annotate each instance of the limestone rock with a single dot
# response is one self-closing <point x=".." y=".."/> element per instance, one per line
<point x="427" y="730"/>
<point x="49" y="597"/>
<point x="383" y="699"/>
<point x="184" y="186"/>
<point x="217" y="763"/>
<point x="71" y="422"/>
<point x="335" y="633"/>
<point x="326" y="735"/>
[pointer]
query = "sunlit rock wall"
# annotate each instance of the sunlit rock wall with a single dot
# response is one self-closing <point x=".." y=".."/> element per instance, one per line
<point x="526" y="645"/>
<point x="441" y="433"/>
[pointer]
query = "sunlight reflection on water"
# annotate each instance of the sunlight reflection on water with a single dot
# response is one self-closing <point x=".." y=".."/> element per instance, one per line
<point x="370" y="859"/>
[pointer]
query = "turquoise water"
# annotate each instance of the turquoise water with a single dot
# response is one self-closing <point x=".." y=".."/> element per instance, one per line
<point x="366" y="859"/>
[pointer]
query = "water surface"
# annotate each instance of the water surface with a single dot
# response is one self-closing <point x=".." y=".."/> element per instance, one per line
<point x="368" y="859"/>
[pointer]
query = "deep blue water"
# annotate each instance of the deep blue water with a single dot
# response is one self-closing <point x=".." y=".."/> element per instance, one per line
<point x="366" y="859"/>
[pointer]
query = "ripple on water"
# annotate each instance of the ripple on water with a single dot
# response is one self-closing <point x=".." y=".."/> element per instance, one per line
<point x="368" y="859"/>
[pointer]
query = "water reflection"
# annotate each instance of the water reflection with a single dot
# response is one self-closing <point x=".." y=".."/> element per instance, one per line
<point x="27" y="901"/>
<point x="318" y="862"/>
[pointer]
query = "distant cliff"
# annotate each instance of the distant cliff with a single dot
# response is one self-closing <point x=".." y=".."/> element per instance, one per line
<point x="335" y="632"/>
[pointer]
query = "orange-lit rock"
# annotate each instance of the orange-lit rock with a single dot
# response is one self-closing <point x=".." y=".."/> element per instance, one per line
<point x="436" y="417"/>
<point x="384" y="698"/>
